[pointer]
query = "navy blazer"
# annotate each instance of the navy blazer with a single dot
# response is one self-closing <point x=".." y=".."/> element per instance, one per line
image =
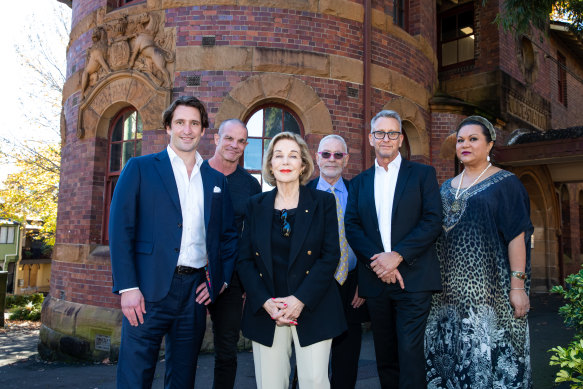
<point x="313" y="259"/>
<point x="415" y="225"/>
<point x="145" y="227"/>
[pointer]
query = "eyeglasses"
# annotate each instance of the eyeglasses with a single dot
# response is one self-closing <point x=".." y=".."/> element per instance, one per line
<point x="327" y="155"/>
<point x="285" y="226"/>
<point x="393" y="135"/>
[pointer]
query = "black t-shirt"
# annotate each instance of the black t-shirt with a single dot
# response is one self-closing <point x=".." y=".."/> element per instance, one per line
<point x="242" y="185"/>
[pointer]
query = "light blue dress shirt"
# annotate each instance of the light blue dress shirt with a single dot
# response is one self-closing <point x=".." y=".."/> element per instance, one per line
<point x="342" y="194"/>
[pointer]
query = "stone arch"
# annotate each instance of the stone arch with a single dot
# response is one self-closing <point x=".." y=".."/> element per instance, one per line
<point x="544" y="261"/>
<point x="126" y="88"/>
<point x="284" y="89"/>
<point x="413" y="125"/>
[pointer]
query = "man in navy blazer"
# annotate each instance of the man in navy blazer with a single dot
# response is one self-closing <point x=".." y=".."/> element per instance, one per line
<point x="393" y="218"/>
<point x="173" y="248"/>
<point x="332" y="158"/>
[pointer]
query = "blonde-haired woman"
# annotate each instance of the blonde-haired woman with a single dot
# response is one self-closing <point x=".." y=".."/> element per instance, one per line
<point x="288" y="255"/>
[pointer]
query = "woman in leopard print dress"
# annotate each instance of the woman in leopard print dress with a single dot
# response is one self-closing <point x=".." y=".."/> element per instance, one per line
<point x="477" y="333"/>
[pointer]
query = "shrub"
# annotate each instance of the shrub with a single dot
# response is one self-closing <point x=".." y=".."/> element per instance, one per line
<point x="570" y="359"/>
<point x="28" y="312"/>
<point x="21" y="300"/>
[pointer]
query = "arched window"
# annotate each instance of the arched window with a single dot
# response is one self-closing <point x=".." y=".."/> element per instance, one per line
<point x="124" y="142"/>
<point x="263" y="124"/>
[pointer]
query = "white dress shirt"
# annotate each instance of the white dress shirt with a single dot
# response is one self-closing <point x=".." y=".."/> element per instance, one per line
<point x="385" y="182"/>
<point x="190" y="191"/>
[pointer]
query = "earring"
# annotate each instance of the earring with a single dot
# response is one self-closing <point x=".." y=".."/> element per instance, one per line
<point x="488" y="158"/>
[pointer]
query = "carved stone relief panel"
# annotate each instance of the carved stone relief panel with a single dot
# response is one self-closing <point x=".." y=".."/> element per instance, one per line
<point x="131" y="42"/>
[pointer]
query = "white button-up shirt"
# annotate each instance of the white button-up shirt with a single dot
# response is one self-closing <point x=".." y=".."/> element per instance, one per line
<point x="385" y="182"/>
<point x="190" y="191"/>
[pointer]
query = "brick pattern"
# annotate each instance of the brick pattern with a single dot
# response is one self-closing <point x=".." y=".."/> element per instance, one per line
<point x="82" y="8"/>
<point x="442" y="125"/>
<point x="266" y="27"/>
<point x="84" y="283"/>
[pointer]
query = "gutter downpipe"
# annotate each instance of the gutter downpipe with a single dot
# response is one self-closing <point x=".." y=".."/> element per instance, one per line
<point x="367" y="34"/>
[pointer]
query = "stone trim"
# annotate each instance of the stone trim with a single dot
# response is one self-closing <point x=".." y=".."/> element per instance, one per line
<point x="287" y="90"/>
<point x="122" y="89"/>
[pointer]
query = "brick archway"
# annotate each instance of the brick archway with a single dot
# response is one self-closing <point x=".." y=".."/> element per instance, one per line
<point x="287" y="90"/>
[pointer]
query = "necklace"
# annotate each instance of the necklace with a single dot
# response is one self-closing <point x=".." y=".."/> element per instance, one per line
<point x="456" y="206"/>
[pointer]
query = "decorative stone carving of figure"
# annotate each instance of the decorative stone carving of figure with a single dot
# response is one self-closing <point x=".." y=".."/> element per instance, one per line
<point x="145" y="45"/>
<point x="96" y="55"/>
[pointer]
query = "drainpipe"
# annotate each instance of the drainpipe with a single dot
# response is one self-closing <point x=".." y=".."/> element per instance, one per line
<point x="367" y="36"/>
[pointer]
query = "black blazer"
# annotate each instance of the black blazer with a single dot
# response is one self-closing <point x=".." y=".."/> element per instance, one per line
<point x="416" y="224"/>
<point x="313" y="260"/>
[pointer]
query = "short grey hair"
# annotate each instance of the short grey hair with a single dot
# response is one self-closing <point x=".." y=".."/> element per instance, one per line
<point x="333" y="136"/>
<point x="229" y="121"/>
<point x="386" y="113"/>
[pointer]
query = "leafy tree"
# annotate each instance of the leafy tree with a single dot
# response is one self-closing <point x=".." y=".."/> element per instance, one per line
<point x="519" y="15"/>
<point x="32" y="192"/>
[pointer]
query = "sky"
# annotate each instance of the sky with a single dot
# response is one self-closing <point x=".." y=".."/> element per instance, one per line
<point x="21" y="20"/>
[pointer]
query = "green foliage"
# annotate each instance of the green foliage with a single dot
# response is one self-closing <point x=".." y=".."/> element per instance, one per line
<point x="21" y="300"/>
<point x="520" y="15"/>
<point x="570" y="359"/>
<point x="572" y="312"/>
<point x="28" y="312"/>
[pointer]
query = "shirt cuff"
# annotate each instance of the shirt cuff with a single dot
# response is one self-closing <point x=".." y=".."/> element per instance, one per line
<point x="128" y="289"/>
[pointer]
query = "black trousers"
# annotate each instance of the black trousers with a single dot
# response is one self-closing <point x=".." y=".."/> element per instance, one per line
<point x="346" y="346"/>
<point x="398" y="320"/>
<point x="226" y="316"/>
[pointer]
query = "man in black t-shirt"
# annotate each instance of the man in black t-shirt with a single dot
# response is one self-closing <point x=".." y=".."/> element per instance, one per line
<point x="231" y="141"/>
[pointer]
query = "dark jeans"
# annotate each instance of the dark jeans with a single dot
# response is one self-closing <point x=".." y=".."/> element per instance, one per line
<point x="226" y="316"/>
<point x="398" y="320"/>
<point x="178" y="317"/>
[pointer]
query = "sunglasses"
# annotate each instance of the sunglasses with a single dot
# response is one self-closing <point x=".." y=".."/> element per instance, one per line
<point x="393" y="135"/>
<point x="285" y="226"/>
<point x="327" y="155"/>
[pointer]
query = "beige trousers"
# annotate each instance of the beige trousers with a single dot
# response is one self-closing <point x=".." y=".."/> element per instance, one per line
<point x="272" y="365"/>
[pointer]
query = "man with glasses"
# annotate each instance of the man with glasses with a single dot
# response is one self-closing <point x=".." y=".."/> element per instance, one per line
<point x="393" y="218"/>
<point x="231" y="141"/>
<point x="332" y="158"/>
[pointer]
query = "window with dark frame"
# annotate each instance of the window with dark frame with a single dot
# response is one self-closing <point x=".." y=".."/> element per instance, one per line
<point x="124" y="142"/>
<point x="262" y="125"/>
<point x="562" y="78"/>
<point x="456" y="36"/>
<point x="401" y="13"/>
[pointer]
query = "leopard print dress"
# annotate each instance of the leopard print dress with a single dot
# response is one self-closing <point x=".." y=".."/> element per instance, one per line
<point x="472" y="340"/>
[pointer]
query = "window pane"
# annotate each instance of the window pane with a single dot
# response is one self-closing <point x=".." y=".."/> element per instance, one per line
<point x="140" y="128"/>
<point x="10" y="238"/>
<point x="266" y="187"/>
<point x="253" y="155"/>
<point x="290" y="123"/>
<point x="255" y="124"/>
<point x="115" y="157"/>
<point x="128" y="152"/>
<point x="448" y="28"/>
<point x="466" y="48"/>
<point x="130" y="127"/>
<point x="116" y="134"/>
<point x="3" y="234"/>
<point x="272" y="122"/>
<point x="449" y="53"/>
<point x="466" y="23"/>
<point x="138" y="148"/>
